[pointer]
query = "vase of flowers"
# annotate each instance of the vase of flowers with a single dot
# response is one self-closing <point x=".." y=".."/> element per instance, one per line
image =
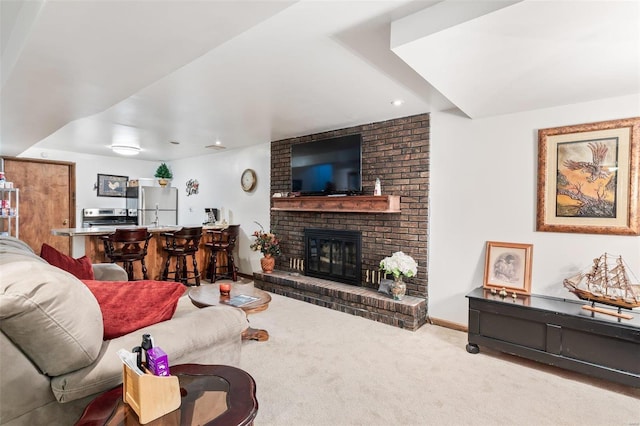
<point x="268" y="244"/>
<point x="399" y="265"/>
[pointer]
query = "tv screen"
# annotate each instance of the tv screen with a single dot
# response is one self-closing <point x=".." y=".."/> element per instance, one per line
<point x="327" y="166"/>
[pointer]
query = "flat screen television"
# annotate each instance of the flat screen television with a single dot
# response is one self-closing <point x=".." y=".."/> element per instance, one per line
<point x="327" y="166"/>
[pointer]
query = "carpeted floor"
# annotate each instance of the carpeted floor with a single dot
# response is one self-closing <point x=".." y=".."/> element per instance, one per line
<point x="323" y="367"/>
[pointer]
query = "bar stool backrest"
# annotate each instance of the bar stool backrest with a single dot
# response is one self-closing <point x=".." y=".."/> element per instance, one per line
<point x="225" y="238"/>
<point x="185" y="240"/>
<point x="127" y="241"/>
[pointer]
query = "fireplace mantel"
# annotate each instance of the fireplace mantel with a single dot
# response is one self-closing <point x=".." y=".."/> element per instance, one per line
<point x="351" y="203"/>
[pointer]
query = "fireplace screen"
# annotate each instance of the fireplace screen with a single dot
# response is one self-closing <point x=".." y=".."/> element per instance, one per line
<point x="333" y="255"/>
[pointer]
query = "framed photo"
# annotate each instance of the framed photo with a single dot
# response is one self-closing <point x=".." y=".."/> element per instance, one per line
<point x="112" y="186"/>
<point x="588" y="179"/>
<point x="508" y="265"/>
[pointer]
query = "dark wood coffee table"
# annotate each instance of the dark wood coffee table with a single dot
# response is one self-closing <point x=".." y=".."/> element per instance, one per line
<point x="209" y="295"/>
<point x="212" y="395"/>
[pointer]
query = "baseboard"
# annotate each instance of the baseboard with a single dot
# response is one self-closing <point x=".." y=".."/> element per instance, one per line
<point x="447" y="324"/>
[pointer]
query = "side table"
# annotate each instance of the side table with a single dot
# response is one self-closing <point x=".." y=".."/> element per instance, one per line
<point x="212" y="395"/>
<point x="209" y="295"/>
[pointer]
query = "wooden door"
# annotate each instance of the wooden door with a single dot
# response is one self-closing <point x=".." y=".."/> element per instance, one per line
<point x="47" y="200"/>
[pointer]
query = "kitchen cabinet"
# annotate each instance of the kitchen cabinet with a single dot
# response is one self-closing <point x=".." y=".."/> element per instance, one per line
<point x="10" y="212"/>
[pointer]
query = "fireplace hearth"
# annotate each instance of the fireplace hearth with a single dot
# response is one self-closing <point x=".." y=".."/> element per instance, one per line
<point x="333" y="255"/>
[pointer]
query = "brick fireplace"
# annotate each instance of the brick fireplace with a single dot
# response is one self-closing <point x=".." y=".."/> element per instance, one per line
<point x="397" y="152"/>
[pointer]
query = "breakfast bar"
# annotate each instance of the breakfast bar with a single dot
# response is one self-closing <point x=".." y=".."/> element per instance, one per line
<point x="89" y="238"/>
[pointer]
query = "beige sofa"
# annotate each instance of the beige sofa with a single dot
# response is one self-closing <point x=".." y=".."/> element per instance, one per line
<point x="53" y="360"/>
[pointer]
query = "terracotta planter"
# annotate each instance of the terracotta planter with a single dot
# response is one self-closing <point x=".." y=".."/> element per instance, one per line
<point x="267" y="263"/>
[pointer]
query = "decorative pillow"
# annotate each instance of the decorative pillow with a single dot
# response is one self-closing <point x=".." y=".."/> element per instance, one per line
<point x="131" y="305"/>
<point x="81" y="267"/>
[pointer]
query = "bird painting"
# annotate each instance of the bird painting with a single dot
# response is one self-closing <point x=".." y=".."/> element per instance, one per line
<point x="113" y="185"/>
<point x="594" y="169"/>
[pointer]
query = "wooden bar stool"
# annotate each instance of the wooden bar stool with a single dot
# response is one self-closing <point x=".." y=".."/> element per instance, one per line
<point x="179" y="245"/>
<point x="128" y="246"/>
<point x="222" y="241"/>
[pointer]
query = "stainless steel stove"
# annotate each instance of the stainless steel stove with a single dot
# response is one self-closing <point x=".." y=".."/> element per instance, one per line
<point x="106" y="217"/>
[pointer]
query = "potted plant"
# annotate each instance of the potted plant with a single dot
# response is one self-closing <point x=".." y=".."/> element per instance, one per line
<point x="268" y="244"/>
<point x="163" y="174"/>
<point x="399" y="265"/>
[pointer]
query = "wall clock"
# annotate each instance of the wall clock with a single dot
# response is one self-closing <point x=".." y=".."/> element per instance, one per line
<point x="248" y="180"/>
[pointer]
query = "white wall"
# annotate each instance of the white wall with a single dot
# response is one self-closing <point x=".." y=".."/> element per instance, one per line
<point x="219" y="178"/>
<point x="483" y="188"/>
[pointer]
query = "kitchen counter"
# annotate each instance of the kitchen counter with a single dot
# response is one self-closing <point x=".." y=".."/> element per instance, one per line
<point x="94" y="246"/>
<point x="105" y="230"/>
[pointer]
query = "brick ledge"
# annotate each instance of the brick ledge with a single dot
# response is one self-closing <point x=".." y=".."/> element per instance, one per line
<point x="409" y="313"/>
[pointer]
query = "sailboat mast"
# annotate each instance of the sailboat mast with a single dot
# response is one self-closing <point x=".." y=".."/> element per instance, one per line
<point x="606" y="275"/>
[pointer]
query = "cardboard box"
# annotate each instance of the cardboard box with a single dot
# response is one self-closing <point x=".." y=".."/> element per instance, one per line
<point x="157" y="362"/>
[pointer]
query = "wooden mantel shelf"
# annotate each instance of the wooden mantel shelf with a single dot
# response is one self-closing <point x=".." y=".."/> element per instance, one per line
<point x="347" y="204"/>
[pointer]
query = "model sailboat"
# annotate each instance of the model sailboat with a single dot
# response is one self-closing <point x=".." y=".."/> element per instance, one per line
<point x="606" y="282"/>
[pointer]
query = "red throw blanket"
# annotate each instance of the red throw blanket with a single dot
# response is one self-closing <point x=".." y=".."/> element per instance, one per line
<point x="130" y="305"/>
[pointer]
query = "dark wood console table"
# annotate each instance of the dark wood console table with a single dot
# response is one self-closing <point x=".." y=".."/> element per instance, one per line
<point x="557" y="332"/>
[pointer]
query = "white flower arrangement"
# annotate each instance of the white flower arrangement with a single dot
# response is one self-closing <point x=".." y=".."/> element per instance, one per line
<point x="399" y="264"/>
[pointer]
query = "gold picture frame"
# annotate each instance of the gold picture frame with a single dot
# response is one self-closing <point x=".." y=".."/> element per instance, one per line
<point x="588" y="178"/>
<point x="508" y="266"/>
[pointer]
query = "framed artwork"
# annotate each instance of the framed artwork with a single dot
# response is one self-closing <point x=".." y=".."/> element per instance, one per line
<point x="508" y="265"/>
<point x="112" y="186"/>
<point x="588" y="179"/>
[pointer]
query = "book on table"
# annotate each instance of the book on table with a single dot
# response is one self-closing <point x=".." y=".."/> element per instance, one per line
<point x="240" y="300"/>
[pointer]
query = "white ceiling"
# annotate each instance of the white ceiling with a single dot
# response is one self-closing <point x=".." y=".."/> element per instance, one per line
<point x="74" y="74"/>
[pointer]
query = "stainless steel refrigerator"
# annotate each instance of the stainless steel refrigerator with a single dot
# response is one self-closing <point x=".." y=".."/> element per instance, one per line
<point x="153" y="205"/>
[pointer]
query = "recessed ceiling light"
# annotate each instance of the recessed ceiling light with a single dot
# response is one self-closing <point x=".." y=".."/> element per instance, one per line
<point x="397" y="102"/>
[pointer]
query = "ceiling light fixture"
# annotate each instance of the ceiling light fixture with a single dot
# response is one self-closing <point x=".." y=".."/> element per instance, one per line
<point x="217" y="145"/>
<point x="397" y="102"/>
<point x="125" y="149"/>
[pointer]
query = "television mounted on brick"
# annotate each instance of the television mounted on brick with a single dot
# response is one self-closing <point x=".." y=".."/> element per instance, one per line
<point x="327" y="166"/>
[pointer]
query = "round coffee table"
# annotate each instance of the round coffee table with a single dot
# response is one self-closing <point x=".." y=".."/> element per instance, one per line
<point x="209" y="295"/>
<point x="212" y="395"/>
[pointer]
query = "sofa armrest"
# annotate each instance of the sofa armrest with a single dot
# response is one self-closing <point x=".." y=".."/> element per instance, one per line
<point x="183" y="338"/>
<point x="109" y="272"/>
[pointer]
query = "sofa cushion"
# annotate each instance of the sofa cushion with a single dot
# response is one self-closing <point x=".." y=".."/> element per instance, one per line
<point x="49" y="314"/>
<point x="40" y="308"/>
<point x="130" y="305"/>
<point x="80" y="267"/>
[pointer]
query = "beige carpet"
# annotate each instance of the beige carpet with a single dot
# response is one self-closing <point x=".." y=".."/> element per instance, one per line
<point x="323" y="367"/>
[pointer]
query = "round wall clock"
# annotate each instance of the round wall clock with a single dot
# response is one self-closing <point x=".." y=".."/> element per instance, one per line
<point x="248" y="180"/>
